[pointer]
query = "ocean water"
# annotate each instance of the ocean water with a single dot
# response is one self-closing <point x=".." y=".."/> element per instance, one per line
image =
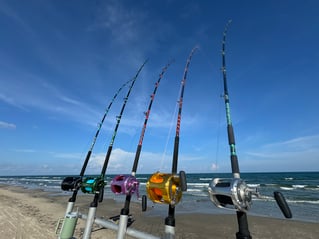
<point x="301" y="190"/>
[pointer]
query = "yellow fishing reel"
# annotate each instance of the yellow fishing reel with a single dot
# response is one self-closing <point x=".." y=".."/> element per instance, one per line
<point x="166" y="188"/>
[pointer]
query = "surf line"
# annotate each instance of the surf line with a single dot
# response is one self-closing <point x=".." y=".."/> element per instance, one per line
<point x="167" y="188"/>
<point x="128" y="184"/>
<point x="234" y="193"/>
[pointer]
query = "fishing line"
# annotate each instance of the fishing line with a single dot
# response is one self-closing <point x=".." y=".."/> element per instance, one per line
<point x="215" y="163"/>
<point x="168" y="187"/>
<point x="96" y="185"/>
<point x="233" y="193"/>
<point x="218" y="136"/>
<point x="169" y="136"/>
<point x="128" y="184"/>
<point x="75" y="183"/>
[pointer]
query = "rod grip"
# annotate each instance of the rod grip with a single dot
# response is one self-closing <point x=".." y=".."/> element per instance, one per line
<point x="282" y="203"/>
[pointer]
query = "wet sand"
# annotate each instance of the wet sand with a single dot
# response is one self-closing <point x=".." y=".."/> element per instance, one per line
<point x="32" y="214"/>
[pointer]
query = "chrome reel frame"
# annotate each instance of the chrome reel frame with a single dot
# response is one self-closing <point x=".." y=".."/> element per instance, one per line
<point x="231" y="193"/>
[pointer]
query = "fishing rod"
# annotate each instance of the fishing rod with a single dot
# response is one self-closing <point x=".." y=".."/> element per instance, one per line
<point x="74" y="183"/>
<point x="128" y="184"/>
<point x="234" y="193"/>
<point x="96" y="185"/>
<point x="167" y="188"/>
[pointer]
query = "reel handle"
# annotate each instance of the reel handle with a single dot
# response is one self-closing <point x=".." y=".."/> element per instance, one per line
<point x="183" y="181"/>
<point x="101" y="195"/>
<point x="144" y="203"/>
<point x="282" y="204"/>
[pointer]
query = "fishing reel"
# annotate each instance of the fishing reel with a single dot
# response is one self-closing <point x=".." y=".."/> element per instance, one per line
<point x="128" y="185"/>
<point x="92" y="185"/>
<point x="166" y="188"/>
<point x="231" y="193"/>
<point x="71" y="183"/>
<point x="235" y="194"/>
<point x="125" y="184"/>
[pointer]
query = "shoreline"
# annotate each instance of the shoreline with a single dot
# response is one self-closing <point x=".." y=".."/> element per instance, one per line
<point x="34" y="213"/>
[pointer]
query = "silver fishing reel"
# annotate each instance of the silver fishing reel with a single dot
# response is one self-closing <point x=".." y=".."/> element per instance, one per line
<point x="235" y="194"/>
<point x="231" y="193"/>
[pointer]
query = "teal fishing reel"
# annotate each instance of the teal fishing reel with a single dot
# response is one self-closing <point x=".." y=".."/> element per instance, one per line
<point x="92" y="185"/>
<point x="235" y="194"/>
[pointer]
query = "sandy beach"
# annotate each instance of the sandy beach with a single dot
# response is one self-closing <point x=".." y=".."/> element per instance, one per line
<point x="32" y="214"/>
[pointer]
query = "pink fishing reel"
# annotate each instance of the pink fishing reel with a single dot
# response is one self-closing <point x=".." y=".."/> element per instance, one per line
<point x="125" y="184"/>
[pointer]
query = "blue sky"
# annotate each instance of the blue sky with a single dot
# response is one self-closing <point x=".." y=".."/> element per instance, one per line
<point x="62" y="61"/>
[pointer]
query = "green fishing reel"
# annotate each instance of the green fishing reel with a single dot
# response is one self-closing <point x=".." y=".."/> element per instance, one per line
<point x="166" y="188"/>
<point x="92" y="185"/>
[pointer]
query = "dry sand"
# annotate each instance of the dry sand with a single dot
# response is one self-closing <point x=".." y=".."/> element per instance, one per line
<point x="33" y="214"/>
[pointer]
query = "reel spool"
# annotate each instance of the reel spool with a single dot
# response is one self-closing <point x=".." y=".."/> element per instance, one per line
<point x="231" y="193"/>
<point x="166" y="188"/>
<point x="125" y="184"/>
<point x="92" y="185"/>
<point x="71" y="183"/>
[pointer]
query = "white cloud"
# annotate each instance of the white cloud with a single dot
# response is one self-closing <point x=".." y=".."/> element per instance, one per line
<point x="7" y="125"/>
<point x="14" y="16"/>
<point x="214" y="167"/>
<point x="297" y="154"/>
<point x="122" y="22"/>
<point x="293" y="146"/>
<point x="11" y="101"/>
<point x="67" y="155"/>
<point x="26" y="150"/>
<point x="121" y="161"/>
